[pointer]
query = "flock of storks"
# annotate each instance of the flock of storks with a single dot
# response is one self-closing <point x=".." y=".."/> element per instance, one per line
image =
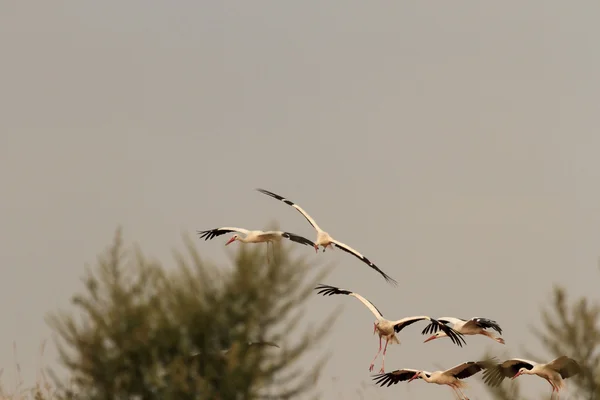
<point x="493" y="372"/>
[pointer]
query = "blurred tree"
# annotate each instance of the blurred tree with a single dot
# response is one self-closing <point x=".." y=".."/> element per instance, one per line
<point x="148" y="333"/>
<point x="571" y="329"/>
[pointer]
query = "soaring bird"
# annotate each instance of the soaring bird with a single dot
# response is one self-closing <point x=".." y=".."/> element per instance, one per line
<point x="385" y="328"/>
<point x="554" y="372"/>
<point x="451" y="377"/>
<point x="254" y="236"/>
<point x="473" y="326"/>
<point x="248" y="345"/>
<point x="325" y="240"/>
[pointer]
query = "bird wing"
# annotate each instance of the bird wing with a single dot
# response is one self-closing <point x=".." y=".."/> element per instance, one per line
<point x="565" y="366"/>
<point x="350" y="250"/>
<point x="296" y="206"/>
<point x="433" y="327"/>
<point x="212" y="233"/>
<point x="298" y="239"/>
<point x="391" y="378"/>
<point x="484" y="323"/>
<point x="263" y="344"/>
<point x="494" y="375"/>
<point x="455" y="336"/>
<point x="327" y="290"/>
<point x="469" y="368"/>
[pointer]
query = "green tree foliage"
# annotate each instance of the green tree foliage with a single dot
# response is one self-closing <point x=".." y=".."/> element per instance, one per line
<point x="570" y="328"/>
<point x="151" y="333"/>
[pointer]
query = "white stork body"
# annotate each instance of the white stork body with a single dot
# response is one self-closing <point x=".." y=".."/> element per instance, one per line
<point x="451" y="377"/>
<point x="254" y="236"/>
<point x="555" y="372"/>
<point x="473" y="326"/>
<point x="325" y="240"/>
<point x="385" y="328"/>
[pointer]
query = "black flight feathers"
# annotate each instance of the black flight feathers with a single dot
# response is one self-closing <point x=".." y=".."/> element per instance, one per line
<point x="455" y="336"/>
<point x="212" y="233"/>
<point x="298" y="239"/>
<point x="488" y="323"/>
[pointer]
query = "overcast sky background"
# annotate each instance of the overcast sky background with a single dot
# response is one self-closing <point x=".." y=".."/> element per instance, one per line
<point x="455" y="144"/>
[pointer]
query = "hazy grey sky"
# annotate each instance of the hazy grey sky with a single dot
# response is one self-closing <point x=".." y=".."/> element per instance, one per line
<point x="453" y="143"/>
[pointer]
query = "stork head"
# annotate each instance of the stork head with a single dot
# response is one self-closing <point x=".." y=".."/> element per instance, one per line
<point x="521" y="372"/>
<point x="415" y="376"/>
<point x="232" y="239"/>
<point x="316" y="248"/>
<point x="437" y="335"/>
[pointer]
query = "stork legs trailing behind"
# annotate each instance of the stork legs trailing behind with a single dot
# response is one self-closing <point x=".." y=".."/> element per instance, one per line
<point x="473" y="326"/>
<point x="254" y="236"/>
<point x="325" y="240"/>
<point x="385" y="328"/>
<point x="451" y="377"/>
<point x="555" y="372"/>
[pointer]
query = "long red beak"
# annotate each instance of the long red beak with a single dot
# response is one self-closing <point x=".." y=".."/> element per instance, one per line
<point x="518" y="373"/>
<point x="414" y="377"/>
<point x="316" y="248"/>
<point x="430" y="338"/>
<point x="230" y="240"/>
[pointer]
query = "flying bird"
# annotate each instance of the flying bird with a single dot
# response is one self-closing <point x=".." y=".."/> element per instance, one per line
<point x="247" y="345"/>
<point x="325" y="240"/>
<point x="254" y="236"/>
<point x="473" y="326"/>
<point x="385" y="328"/>
<point x="554" y="372"/>
<point x="451" y="377"/>
<point x="250" y="344"/>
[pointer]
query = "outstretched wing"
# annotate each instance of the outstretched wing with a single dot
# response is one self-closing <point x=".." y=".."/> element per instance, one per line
<point x="350" y="250"/>
<point x="212" y="233"/>
<point x="291" y="203"/>
<point x="433" y="327"/>
<point x="298" y="239"/>
<point x="494" y="375"/>
<point x="566" y="367"/>
<point x="455" y="336"/>
<point x="469" y="368"/>
<point x="391" y="378"/>
<point x="485" y="323"/>
<point x="327" y="290"/>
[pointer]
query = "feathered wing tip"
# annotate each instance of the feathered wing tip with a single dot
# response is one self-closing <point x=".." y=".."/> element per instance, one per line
<point x="431" y="328"/>
<point x="298" y="239"/>
<point x="328" y="290"/>
<point x="493" y="376"/>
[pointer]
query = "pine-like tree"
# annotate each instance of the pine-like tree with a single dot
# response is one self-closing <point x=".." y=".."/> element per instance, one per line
<point x="570" y="328"/>
<point x="151" y="333"/>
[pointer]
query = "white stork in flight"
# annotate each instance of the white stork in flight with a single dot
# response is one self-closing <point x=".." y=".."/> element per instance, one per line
<point x="554" y="372"/>
<point x="473" y="326"/>
<point x="325" y="240"/>
<point x="451" y="377"/>
<point x="385" y="328"/>
<point x="247" y="345"/>
<point x="254" y="236"/>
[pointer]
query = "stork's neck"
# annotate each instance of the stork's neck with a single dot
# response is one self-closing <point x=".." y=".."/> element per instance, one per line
<point x="426" y="378"/>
